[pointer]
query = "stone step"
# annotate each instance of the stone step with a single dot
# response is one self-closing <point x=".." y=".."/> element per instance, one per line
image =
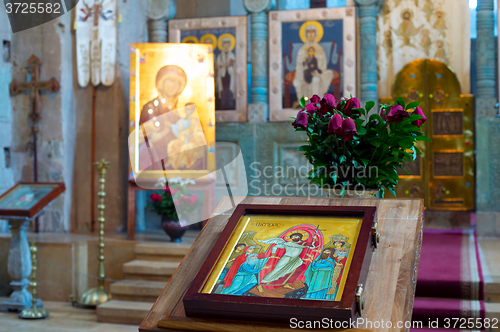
<point x="149" y="270"/>
<point x="137" y="290"/>
<point x="164" y="251"/>
<point x="123" y="312"/>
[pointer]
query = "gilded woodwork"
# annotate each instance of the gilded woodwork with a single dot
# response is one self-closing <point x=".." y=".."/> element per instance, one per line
<point x="444" y="175"/>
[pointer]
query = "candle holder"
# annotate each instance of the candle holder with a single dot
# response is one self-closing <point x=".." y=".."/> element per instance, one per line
<point x="99" y="295"/>
<point x="34" y="312"/>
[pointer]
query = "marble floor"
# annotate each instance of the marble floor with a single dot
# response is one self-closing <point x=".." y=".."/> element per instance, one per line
<point x="63" y="318"/>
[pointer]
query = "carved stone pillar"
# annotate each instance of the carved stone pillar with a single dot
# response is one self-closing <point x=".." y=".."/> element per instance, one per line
<point x="367" y="12"/>
<point x="158" y="12"/>
<point x="258" y="110"/>
<point x="18" y="266"/>
<point x="293" y="4"/>
<point x="487" y="126"/>
<point x="485" y="63"/>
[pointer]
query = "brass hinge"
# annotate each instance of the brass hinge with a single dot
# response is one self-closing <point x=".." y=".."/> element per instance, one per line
<point x="360" y="300"/>
<point x="375" y="235"/>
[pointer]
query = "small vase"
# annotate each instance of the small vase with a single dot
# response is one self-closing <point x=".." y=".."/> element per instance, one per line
<point x="352" y="193"/>
<point x="173" y="229"/>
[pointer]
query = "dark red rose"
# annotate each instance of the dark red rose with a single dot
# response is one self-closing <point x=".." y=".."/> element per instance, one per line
<point x="419" y="122"/>
<point x="335" y="124"/>
<point x="311" y="108"/>
<point x="397" y="113"/>
<point x="329" y="99"/>
<point x="168" y="191"/>
<point x="315" y="99"/>
<point x="350" y="104"/>
<point x="301" y="120"/>
<point x="155" y="198"/>
<point x="328" y="104"/>
<point x="349" y="129"/>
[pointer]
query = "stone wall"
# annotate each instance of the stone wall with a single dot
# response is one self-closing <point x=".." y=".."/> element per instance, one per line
<point x="6" y="169"/>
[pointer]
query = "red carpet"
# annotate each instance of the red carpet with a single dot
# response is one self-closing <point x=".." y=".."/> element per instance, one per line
<point x="449" y="265"/>
<point x="450" y="281"/>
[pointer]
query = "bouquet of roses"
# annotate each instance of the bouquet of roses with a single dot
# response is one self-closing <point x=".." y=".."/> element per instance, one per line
<point x="348" y="147"/>
<point x="173" y="202"/>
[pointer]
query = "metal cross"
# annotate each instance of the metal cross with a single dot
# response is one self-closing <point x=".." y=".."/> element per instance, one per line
<point x="34" y="86"/>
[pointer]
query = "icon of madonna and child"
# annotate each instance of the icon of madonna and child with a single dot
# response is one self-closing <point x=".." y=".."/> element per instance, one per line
<point x="296" y="264"/>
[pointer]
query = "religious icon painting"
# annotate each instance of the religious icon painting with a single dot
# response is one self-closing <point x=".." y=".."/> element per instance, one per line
<point x="172" y="117"/>
<point x="27" y="199"/>
<point x="280" y="262"/>
<point x="311" y="52"/>
<point x="227" y="36"/>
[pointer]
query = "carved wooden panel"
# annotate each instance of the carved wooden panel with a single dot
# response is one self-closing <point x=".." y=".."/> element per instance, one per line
<point x="447" y="122"/>
<point x="448" y="164"/>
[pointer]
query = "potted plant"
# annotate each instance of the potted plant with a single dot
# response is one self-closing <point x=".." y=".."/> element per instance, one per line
<point x="173" y="205"/>
<point x="356" y="154"/>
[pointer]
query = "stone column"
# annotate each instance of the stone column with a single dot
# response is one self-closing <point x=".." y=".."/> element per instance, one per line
<point x="367" y="12"/>
<point x="18" y="266"/>
<point x="293" y="4"/>
<point x="487" y="126"/>
<point x="159" y="12"/>
<point x="258" y="110"/>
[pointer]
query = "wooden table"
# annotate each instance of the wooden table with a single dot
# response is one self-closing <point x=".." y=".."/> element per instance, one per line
<point x="391" y="279"/>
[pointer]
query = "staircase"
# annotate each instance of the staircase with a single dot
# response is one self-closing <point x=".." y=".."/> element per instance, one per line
<point x="145" y="278"/>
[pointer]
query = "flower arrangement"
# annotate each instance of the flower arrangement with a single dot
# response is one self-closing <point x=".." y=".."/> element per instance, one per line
<point x="348" y="148"/>
<point x="173" y="202"/>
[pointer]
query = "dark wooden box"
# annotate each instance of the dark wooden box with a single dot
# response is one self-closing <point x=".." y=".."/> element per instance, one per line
<point x="198" y="304"/>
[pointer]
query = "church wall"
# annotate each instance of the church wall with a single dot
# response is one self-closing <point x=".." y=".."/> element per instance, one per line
<point x="52" y="44"/>
<point x="6" y="169"/>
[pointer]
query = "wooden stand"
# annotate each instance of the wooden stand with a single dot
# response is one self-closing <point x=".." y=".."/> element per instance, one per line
<point x="390" y="289"/>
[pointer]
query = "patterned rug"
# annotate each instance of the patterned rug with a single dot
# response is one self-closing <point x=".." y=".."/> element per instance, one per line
<point x="450" y="280"/>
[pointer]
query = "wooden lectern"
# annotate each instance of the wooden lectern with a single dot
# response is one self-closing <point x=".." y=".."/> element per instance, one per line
<point x="391" y="278"/>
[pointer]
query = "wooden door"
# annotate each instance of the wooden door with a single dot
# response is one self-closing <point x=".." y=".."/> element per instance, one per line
<point x="444" y="175"/>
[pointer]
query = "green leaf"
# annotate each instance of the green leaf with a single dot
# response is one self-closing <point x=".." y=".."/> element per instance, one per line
<point x="423" y="138"/>
<point x="361" y="131"/>
<point x="303" y="102"/>
<point x="375" y="141"/>
<point x="304" y="148"/>
<point x="342" y="159"/>
<point x="406" y="143"/>
<point x="400" y="101"/>
<point x="334" y="177"/>
<point x="369" y="105"/>
<point x="342" y="191"/>
<point x="364" y="161"/>
<point x="412" y="105"/>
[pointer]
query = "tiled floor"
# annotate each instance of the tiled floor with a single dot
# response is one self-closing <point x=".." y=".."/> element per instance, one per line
<point x="63" y="318"/>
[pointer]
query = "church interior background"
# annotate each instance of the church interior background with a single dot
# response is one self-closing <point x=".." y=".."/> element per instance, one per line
<point x="443" y="53"/>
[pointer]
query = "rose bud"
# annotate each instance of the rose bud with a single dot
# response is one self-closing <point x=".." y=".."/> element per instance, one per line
<point x="397" y="113"/>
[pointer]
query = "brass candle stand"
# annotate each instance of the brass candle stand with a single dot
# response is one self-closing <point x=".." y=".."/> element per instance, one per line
<point x="34" y="312"/>
<point x="99" y="295"/>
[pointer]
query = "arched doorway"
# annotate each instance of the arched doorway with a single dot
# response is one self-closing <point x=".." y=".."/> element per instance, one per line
<point x="444" y="175"/>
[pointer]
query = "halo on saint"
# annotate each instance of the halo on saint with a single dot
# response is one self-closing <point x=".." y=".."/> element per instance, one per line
<point x="190" y="40"/>
<point x="209" y="38"/>
<point x="311" y="25"/>
<point x="227" y="37"/>
<point x="298" y="231"/>
<point x="407" y="14"/>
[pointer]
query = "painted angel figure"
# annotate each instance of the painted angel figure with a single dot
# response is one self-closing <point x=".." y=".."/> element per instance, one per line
<point x="290" y="261"/>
